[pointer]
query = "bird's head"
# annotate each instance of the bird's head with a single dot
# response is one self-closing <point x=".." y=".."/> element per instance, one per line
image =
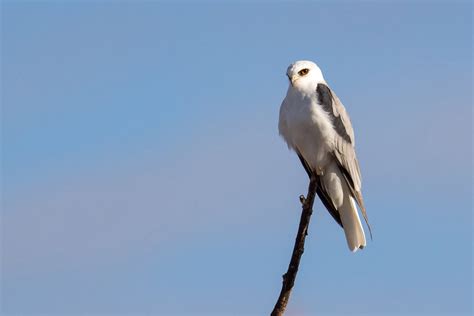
<point x="304" y="75"/>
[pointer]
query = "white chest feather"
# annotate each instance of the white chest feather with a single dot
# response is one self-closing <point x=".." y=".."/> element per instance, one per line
<point x="307" y="128"/>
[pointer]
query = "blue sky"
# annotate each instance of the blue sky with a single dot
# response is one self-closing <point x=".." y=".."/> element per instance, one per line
<point x="142" y="171"/>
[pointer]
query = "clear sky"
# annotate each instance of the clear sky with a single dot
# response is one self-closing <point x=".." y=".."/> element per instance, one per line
<point x="143" y="174"/>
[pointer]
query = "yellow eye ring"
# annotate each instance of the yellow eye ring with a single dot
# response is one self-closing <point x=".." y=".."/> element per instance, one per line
<point x="303" y="72"/>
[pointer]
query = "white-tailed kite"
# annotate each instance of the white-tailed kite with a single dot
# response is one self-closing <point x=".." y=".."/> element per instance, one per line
<point x="315" y="124"/>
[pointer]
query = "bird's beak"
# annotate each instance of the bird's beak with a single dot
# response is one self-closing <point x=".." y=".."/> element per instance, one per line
<point x="292" y="78"/>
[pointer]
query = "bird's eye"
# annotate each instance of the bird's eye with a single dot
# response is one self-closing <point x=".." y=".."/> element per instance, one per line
<point x="303" y="72"/>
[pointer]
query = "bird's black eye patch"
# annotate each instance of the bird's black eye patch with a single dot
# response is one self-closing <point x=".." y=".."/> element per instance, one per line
<point x="303" y="72"/>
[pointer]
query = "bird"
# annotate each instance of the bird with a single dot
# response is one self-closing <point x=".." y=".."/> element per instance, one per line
<point x="315" y="125"/>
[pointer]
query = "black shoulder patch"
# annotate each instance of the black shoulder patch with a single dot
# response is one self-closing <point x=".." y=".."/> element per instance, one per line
<point x="326" y="99"/>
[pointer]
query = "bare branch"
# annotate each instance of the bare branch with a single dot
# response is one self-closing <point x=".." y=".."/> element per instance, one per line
<point x="290" y="276"/>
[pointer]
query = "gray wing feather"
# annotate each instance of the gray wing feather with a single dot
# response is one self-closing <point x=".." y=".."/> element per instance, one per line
<point x="331" y="104"/>
<point x="344" y="149"/>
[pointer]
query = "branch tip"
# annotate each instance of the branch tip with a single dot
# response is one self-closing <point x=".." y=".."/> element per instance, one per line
<point x="302" y="199"/>
<point x="298" y="249"/>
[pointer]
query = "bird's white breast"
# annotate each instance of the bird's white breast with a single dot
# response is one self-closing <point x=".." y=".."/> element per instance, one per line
<point x="307" y="128"/>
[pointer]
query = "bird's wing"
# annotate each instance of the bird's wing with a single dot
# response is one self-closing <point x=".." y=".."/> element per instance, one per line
<point x="323" y="195"/>
<point x="344" y="150"/>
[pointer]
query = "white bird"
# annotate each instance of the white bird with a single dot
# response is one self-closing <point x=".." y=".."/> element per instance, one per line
<point x="315" y="124"/>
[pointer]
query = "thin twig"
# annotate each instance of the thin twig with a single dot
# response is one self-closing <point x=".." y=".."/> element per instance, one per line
<point x="290" y="276"/>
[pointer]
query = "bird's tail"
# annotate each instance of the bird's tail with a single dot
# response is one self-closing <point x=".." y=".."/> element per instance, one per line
<point x="351" y="223"/>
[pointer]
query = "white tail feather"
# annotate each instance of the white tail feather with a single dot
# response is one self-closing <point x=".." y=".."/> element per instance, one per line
<point x="339" y="192"/>
<point x="353" y="229"/>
